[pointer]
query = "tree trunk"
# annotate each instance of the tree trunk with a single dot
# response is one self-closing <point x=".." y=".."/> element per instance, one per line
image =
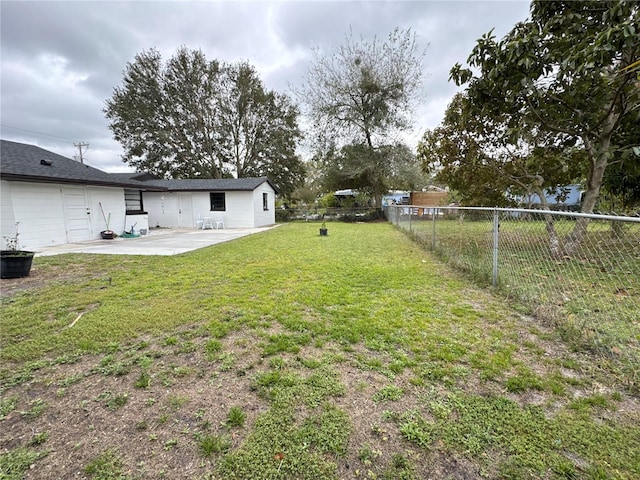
<point x="374" y="173"/>
<point x="377" y="197"/>
<point x="599" y="161"/>
<point x="555" y="242"/>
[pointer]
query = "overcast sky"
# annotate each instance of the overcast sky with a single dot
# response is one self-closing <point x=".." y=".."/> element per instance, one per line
<point x="61" y="60"/>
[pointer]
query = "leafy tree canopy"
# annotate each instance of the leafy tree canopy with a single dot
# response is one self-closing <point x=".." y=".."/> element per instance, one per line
<point x="357" y="98"/>
<point x="567" y="76"/>
<point x="555" y="90"/>
<point x="194" y="118"/>
<point x="486" y="166"/>
<point x="621" y="181"/>
<point x="372" y="171"/>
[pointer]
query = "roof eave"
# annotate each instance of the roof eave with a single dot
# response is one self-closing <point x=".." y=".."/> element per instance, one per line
<point x="210" y="189"/>
<point x="70" y="181"/>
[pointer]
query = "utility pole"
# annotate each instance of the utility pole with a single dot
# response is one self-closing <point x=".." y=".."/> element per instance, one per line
<point x="80" y="145"/>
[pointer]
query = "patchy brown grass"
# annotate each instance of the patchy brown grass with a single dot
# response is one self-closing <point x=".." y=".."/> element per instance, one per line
<point x="436" y="351"/>
<point x="155" y="432"/>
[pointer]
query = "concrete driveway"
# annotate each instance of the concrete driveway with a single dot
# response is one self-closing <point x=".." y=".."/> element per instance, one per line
<point x="159" y="241"/>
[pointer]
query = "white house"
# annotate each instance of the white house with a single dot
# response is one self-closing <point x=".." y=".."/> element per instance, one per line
<point x="238" y="203"/>
<point x="57" y="200"/>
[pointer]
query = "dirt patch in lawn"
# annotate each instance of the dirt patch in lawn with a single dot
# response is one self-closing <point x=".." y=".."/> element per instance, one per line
<point x="43" y="275"/>
<point x="147" y="409"/>
<point x="150" y="404"/>
<point x="36" y="279"/>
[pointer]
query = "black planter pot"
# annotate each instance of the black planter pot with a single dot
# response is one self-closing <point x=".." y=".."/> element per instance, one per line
<point x="108" y="234"/>
<point x="15" y="263"/>
<point x="324" y="232"/>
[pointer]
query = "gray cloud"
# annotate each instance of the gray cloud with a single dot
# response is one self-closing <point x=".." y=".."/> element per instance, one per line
<point x="61" y="60"/>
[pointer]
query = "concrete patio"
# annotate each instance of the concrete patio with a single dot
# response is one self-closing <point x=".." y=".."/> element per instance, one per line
<point x="159" y="241"/>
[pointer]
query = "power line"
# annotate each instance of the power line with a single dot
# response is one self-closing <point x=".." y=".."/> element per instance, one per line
<point x="3" y="125"/>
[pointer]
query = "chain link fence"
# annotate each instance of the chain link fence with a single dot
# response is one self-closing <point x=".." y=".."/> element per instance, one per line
<point x="329" y="214"/>
<point x="580" y="273"/>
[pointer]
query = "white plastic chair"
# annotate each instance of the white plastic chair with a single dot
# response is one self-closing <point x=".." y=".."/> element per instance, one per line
<point x="219" y="224"/>
<point x="199" y="222"/>
<point x="207" y="222"/>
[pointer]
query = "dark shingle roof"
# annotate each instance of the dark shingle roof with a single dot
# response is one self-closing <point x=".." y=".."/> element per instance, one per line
<point x="134" y="176"/>
<point x="19" y="161"/>
<point x="220" y="184"/>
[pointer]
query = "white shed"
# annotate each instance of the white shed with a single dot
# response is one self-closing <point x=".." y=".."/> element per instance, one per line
<point x="238" y="203"/>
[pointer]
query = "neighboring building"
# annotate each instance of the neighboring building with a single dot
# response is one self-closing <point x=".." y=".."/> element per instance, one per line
<point x="58" y="200"/>
<point x="566" y="198"/>
<point x="396" y="197"/>
<point x="430" y="196"/>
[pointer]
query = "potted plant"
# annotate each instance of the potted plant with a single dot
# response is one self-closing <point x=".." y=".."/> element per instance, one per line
<point x="324" y="231"/>
<point x="107" y="234"/>
<point x="15" y="263"/>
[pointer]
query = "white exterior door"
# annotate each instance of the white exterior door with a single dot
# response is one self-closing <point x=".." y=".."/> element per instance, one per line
<point x="185" y="210"/>
<point x="77" y="214"/>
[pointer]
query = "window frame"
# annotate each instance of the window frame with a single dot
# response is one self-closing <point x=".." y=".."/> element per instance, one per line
<point x="127" y="202"/>
<point x="218" y="206"/>
<point x="265" y="202"/>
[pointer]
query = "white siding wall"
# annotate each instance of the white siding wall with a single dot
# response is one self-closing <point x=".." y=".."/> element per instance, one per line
<point x="239" y="212"/>
<point x="7" y="220"/>
<point x="112" y="200"/>
<point x="163" y="209"/>
<point x="139" y="222"/>
<point x="262" y="217"/>
<point x="39" y="207"/>
<point x="170" y="209"/>
<point x="202" y="206"/>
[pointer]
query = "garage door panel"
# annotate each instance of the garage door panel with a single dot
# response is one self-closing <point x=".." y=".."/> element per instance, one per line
<point x="39" y="209"/>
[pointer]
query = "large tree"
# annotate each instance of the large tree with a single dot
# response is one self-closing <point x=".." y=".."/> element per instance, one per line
<point x="371" y="171"/>
<point x="486" y="165"/>
<point x="564" y="75"/>
<point x="362" y="94"/>
<point x="195" y="118"/>
<point x="187" y="122"/>
<point x="258" y="130"/>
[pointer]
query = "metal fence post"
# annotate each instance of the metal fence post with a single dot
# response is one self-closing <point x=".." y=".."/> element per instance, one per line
<point x="496" y="229"/>
<point x="410" y="215"/>
<point x="433" y="235"/>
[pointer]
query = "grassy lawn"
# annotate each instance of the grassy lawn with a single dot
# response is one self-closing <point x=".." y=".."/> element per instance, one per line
<point x="287" y="355"/>
<point x="592" y="297"/>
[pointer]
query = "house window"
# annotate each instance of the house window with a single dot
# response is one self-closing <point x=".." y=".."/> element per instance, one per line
<point x="265" y="201"/>
<point x="133" y="201"/>
<point x="217" y="201"/>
